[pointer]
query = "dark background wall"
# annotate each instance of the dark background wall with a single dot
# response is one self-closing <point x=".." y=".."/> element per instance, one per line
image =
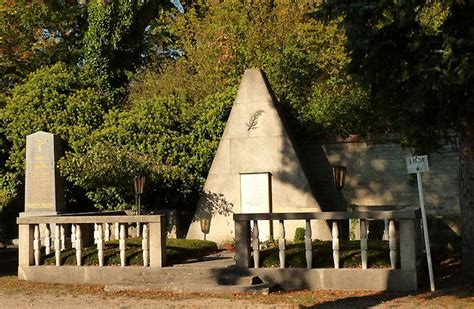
<point x="377" y="175"/>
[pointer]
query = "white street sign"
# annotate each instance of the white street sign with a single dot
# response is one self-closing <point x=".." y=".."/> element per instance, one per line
<point x="417" y="164"/>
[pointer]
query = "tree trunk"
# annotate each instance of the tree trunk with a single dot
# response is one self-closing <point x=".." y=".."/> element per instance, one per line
<point x="466" y="160"/>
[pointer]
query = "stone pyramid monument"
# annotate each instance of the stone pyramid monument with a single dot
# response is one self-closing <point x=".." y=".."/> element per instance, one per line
<point x="255" y="141"/>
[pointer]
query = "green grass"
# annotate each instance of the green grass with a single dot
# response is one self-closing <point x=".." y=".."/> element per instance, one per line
<point x="378" y="255"/>
<point x="180" y="250"/>
<point x="177" y="250"/>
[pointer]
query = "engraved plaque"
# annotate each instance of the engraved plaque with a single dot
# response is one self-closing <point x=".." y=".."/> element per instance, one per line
<point x="255" y="197"/>
<point x="255" y="192"/>
<point x="44" y="188"/>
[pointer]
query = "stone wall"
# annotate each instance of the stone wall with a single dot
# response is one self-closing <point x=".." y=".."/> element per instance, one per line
<point x="376" y="175"/>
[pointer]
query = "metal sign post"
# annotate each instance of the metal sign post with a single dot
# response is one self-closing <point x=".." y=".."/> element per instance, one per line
<point x="418" y="165"/>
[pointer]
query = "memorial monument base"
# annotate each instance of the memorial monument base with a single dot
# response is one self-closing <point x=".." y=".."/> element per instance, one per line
<point x="256" y="169"/>
<point x="41" y="213"/>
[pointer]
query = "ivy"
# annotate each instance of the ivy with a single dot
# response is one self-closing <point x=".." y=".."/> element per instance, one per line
<point x="112" y="44"/>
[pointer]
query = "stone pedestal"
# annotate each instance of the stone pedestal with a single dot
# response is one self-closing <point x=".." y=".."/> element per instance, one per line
<point x="44" y="187"/>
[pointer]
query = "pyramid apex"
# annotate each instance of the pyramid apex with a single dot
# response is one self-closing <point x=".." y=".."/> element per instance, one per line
<point x="253" y="87"/>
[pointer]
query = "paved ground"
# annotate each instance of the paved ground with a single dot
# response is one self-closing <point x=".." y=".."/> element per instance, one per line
<point x="452" y="291"/>
<point x="111" y="301"/>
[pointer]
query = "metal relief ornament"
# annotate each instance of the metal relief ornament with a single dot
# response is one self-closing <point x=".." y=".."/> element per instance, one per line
<point x="253" y="120"/>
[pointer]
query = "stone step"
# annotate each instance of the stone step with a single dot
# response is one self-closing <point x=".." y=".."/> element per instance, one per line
<point x="260" y="288"/>
<point x="228" y="281"/>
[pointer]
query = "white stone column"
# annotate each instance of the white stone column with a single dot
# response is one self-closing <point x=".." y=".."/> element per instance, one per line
<point x="107" y="231"/>
<point x="363" y="242"/>
<point x="57" y="247"/>
<point x="73" y="235"/>
<point x="145" y="245"/>
<point x="308" y="244"/>
<point x="122" y="244"/>
<point x="100" y="245"/>
<point x="335" y="244"/>
<point x="63" y="238"/>
<point x="392" y="243"/>
<point x="47" y="239"/>
<point x="78" y="245"/>
<point x="37" y="245"/>
<point x="282" y="244"/>
<point x="255" y="245"/>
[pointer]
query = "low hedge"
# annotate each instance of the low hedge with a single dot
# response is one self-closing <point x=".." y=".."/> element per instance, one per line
<point x="180" y="250"/>
<point x="378" y="255"/>
<point x="177" y="250"/>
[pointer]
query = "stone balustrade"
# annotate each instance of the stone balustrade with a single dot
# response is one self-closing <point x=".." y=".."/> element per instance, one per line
<point x="248" y="244"/>
<point x="39" y="236"/>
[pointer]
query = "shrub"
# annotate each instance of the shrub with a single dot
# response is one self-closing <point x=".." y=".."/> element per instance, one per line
<point x="299" y="234"/>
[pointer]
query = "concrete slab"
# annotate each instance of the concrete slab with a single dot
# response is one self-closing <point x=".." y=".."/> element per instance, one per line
<point x="223" y="279"/>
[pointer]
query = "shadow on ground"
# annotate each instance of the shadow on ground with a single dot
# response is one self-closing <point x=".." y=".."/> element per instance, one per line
<point x="450" y="284"/>
<point x="8" y="262"/>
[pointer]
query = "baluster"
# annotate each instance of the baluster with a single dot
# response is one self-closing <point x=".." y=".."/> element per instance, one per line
<point x="145" y="245"/>
<point x="122" y="244"/>
<point x="392" y="243"/>
<point x="47" y="239"/>
<point x="117" y="230"/>
<point x="95" y="233"/>
<point x="63" y="238"/>
<point x="52" y="229"/>
<point x="107" y="232"/>
<point x="73" y="235"/>
<point x="100" y="244"/>
<point x="57" y="244"/>
<point x="385" y="235"/>
<point x="335" y="244"/>
<point x="363" y="242"/>
<point x="138" y="229"/>
<point x="282" y="244"/>
<point x="255" y="245"/>
<point x="78" y="245"/>
<point x="308" y="245"/>
<point x="37" y="245"/>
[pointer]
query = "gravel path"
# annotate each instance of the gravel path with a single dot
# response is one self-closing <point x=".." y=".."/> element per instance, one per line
<point x="95" y="301"/>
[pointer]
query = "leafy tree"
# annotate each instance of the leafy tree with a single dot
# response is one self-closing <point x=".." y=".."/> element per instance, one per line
<point x="33" y="34"/>
<point x="58" y="99"/>
<point x="36" y="33"/>
<point x="169" y="139"/>
<point x="45" y="32"/>
<point x="420" y="72"/>
<point x="304" y="58"/>
<point x="115" y="42"/>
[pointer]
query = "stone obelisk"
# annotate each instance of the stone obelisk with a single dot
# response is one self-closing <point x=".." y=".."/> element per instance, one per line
<point x="44" y="186"/>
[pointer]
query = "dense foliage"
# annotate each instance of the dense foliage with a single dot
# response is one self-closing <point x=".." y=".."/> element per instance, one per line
<point x="304" y="59"/>
<point x="169" y="139"/>
<point x="417" y="60"/>
<point x="57" y="99"/>
<point x="169" y="126"/>
<point x="36" y="33"/>
<point x="400" y="52"/>
<point x="65" y="96"/>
